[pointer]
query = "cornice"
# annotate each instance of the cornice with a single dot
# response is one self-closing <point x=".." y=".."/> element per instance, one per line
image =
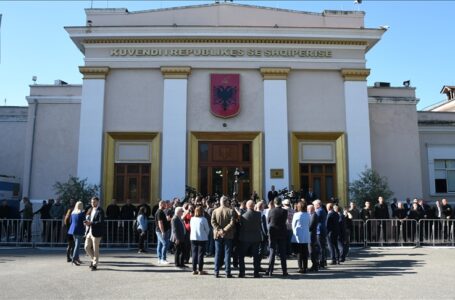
<point x="94" y="72"/>
<point x="224" y="41"/>
<point x="355" y="74"/>
<point x="275" y="73"/>
<point x="176" y="72"/>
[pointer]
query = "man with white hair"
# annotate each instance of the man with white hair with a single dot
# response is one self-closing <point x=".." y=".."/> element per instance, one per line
<point x="223" y="223"/>
<point x="321" y="232"/>
<point x="250" y="236"/>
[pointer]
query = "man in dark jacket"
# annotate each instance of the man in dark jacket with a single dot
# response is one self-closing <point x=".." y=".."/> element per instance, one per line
<point x="381" y="211"/>
<point x="250" y="236"/>
<point x="112" y="215"/>
<point x="278" y="236"/>
<point x="314" y="245"/>
<point x="333" y="232"/>
<point x="128" y="214"/>
<point x="321" y="232"/>
<point x="5" y="214"/>
<point x="95" y="230"/>
<point x="178" y="237"/>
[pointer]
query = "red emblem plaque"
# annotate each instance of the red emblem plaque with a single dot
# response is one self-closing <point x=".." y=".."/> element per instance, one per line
<point x="224" y="95"/>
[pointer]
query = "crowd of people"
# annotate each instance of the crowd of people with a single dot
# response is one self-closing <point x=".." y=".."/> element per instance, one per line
<point x="230" y="231"/>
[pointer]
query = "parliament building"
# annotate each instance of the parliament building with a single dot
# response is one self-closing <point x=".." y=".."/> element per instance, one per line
<point x="185" y="96"/>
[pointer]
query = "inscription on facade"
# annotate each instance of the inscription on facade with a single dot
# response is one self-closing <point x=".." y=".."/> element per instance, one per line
<point x="232" y="52"/>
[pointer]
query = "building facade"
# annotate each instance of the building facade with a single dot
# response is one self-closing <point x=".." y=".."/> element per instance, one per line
<point x="185" y="96"/>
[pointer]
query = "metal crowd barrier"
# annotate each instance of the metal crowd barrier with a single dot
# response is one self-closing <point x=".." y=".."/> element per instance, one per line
<point x="53" y="233"/>
<point x="437" y="232"/>
<point x="123" y="234"/>
<point x="391" y="232"/>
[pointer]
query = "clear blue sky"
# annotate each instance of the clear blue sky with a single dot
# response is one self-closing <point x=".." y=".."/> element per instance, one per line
<point x="419" y="46"/>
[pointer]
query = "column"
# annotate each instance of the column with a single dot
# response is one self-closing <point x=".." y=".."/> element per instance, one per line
<point x="90" y="155"/>
<point x="276" y="140"/>
<point x="357" y="121"/>
<point x="174" y="149"/>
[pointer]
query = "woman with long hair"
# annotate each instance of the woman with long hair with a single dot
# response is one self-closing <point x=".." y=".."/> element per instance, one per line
<point x="77" y="229"/>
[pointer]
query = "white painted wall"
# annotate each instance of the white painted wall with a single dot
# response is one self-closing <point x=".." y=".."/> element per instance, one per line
<point x="174" y="139"/>
<point x="89" y="163"/>
<point x="357" y="128"/>
<point x="276" y="148"/>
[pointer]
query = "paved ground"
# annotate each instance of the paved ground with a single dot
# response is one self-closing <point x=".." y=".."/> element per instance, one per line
<point x="410" y="273"/>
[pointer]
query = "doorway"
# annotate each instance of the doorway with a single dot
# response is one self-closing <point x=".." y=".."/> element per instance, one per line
<point x="321" y="178"/>
<point x="218" y="161"/>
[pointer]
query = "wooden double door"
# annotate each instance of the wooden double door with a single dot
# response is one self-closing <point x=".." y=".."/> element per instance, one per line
<point x="218" y="161"/>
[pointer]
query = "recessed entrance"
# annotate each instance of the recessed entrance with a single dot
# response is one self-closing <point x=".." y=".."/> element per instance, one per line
<point x="321" y="178"/>
<point x="218" y="161"/>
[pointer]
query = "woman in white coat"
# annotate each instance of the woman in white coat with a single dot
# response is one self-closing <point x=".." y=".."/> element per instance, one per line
<point x="301" y="235"/>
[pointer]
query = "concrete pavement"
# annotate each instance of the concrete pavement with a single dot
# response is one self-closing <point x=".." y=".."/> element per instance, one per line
<point x="398" y="273"/>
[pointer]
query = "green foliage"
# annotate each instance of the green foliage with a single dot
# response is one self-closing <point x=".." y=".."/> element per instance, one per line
<point x="369" y="187"/>
<point x="77" y="189"/>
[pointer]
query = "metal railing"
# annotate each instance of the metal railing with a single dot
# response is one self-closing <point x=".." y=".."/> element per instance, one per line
<point x="123" y="234"/>
<point x="53" y="233"/>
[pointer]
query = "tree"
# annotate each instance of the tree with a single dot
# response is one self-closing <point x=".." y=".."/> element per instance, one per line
<point x="77" y="189"/>
<point x="369" y="187"/>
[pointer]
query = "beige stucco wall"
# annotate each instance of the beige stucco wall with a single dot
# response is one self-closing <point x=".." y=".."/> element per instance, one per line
<point x="133" y="101"/>
<point x="13" y="127"/>
<point x="55" y="147"/>
<point x="435" y="128"/>
<point x="251" y="116"/>
<point x="395" y="147"/>
<point x="316" y="101"/>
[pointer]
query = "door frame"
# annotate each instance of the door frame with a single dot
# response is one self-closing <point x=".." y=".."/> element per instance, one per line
<point x="341" y="170"/>
<point x="256" y="162"/>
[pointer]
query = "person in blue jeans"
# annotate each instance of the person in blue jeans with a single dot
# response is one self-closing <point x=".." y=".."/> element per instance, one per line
<point x="163" y="233"/>
<point x="77" y="230"/>
<point x="223" y="222"/>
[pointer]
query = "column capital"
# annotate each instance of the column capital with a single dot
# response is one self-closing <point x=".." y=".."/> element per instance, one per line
<point x="176" y="72"/>
<point x="94" y="72"/>
<point x="275" y="73"/>
<point x="355" y="74"/>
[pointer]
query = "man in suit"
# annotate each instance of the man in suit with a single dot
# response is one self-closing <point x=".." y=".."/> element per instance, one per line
<point x="94" y="232"/>
<point x="321" y="232"/>
<point x="112" y="215"/>
<point x="250" y="236"/>
<point x="178" y="237"/>
<point x="310" y="195"/>
<point x="333" y="231"/>
<point x="381" y="211"/>
<point x="128" y="214"/>
<point x="272" y="194"/>
<point x="278" y="237"/>
<point x="314" y="245"/>
<point x="223" y="222"/>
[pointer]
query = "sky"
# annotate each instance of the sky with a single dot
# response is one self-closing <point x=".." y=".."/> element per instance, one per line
<point x="419" y="45"/>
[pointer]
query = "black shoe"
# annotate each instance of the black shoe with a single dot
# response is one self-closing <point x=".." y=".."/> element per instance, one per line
<point x="342" y="260"/>
<point x="229" y="276"/>
<point x="93" y="268"/>
<point x="301" y="271"/>
<point x="286" y="274"/>
<point x="257" y="276"/>
<point x="217" y="275"/>
<point x="313" y="269"/>
<point x="262" y="270"/>
<point x="68" y="259"/>
<point x="241" y="275"/>
<point x="75" y="262"/>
